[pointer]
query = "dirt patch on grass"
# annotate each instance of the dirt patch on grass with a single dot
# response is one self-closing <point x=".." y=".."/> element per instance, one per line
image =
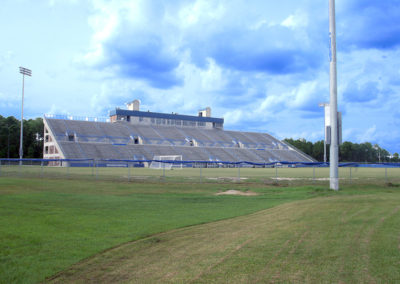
<point x="296" y="179"/>
<point x="237" y="192"/>
<point x="227" y="178"/>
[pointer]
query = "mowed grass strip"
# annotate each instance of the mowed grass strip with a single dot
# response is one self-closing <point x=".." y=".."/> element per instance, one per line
<point x="46" y="225"/>
<point x="345" y="238"/>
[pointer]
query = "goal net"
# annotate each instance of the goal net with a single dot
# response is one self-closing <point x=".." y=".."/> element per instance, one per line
<point x="167" y="166"/>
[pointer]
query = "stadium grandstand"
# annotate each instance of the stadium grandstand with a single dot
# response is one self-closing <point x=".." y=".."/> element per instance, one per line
<point x="131" y="134"/>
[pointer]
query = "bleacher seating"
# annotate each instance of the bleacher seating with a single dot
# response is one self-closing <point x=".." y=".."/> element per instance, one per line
<point x="102" y="140"/>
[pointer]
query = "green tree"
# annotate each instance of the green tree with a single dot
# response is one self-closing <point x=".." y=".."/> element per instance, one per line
<point x="302" y="145"/>
<point x="10" y="136"/>
<point x="33" y="147"/>
<point x="318" y="150"/>
<point x="348" y="151"/>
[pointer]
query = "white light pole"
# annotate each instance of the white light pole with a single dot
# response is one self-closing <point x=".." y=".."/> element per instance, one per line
<point x="24" y="72"/>
<point x="334" y="149"/>
<point x="377" y="148"/>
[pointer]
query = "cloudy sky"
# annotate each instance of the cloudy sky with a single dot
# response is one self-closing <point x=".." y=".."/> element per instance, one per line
<point x="263" y="65"/>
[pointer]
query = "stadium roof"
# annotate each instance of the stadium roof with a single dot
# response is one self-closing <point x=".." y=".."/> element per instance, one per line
<point x="164" y="115"/>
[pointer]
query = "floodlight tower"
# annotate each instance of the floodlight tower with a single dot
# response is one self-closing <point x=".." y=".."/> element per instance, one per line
<point x="326" y="112"/>
<point x="334" y="149"/>
<point x="27" y="72"/>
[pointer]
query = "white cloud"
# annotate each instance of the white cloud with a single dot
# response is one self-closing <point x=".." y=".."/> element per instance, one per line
<point x="260" y="24"/>
<point x="5" y="58"/>
<point x="200" y="11"/>
<point x="55" y="2"/>
<point x="297" y="20"/>
<point x="310" y="135"/>
<point x="368" y="135"/>
<point x="289" y="97"/>
<point x="261" y="64"/>
<point x="233" y="117"/>
<point x="9" y="101"/>
<point x="302" y="94"/>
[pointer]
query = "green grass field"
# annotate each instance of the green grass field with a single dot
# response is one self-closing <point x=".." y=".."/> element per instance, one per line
<point x="340" y="239"/>
<point x="291" y="176"/>
<point x="146" y="232"/>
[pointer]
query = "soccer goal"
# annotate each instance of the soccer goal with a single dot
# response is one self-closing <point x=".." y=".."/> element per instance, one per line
<point x="167" y="166"/>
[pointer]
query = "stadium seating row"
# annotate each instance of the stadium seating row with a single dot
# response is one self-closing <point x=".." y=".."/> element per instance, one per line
<point x="122" y="140"/>
<point x="74" y="150"/>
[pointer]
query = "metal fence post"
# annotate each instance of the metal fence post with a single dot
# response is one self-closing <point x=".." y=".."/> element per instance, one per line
<point x="97" y="169"/>
<point x="386" y="177"/>
<point x="134" y="169"/>
<point x="19" y="168"/>
<point x="163" y="171"/>
<point x="41" y="169"/>
<point x="93" y="168"/>
<point x="313" y="174"/>
<point x="200" y="174"/>
<point x="67" y="165"/>
<point x="129" y="172"/>
<point x="239" y="172"/>
<point x="276" y="172"/>
<point x="350" y="176"/>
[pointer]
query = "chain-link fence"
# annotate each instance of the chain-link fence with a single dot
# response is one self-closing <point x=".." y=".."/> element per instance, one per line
<point x="281" y="173"/>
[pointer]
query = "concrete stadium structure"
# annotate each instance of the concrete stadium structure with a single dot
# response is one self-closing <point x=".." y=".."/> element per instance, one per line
<point x="141" y="135"/>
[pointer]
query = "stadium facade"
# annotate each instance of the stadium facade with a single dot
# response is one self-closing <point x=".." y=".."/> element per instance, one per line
<point x="132" y="134"/>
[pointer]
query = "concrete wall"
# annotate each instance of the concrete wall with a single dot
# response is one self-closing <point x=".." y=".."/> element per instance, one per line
<point x="51" y="149"/>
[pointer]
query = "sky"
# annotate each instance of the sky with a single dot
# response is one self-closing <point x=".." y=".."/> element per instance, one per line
<point x="262" y="65"/>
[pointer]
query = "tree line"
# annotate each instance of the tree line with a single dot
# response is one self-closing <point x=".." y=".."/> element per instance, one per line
<point x="10" y="136"/>
<point x="348" y="151"/>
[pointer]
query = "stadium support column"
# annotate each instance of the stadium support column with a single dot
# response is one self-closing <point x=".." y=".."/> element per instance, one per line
<point x="334" y="148"/>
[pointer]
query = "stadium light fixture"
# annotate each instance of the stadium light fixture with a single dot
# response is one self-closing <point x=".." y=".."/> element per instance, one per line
<point x="376" y="147"/>
<point x="324" y="105"/>
<point x="334" y="148"/>
<point x="27" y="72"/>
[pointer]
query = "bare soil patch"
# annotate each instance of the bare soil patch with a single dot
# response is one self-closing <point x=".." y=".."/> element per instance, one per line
<point x="227" y="178"/>
<point x="294" y="179"/>
<point x="237" y="192"/>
